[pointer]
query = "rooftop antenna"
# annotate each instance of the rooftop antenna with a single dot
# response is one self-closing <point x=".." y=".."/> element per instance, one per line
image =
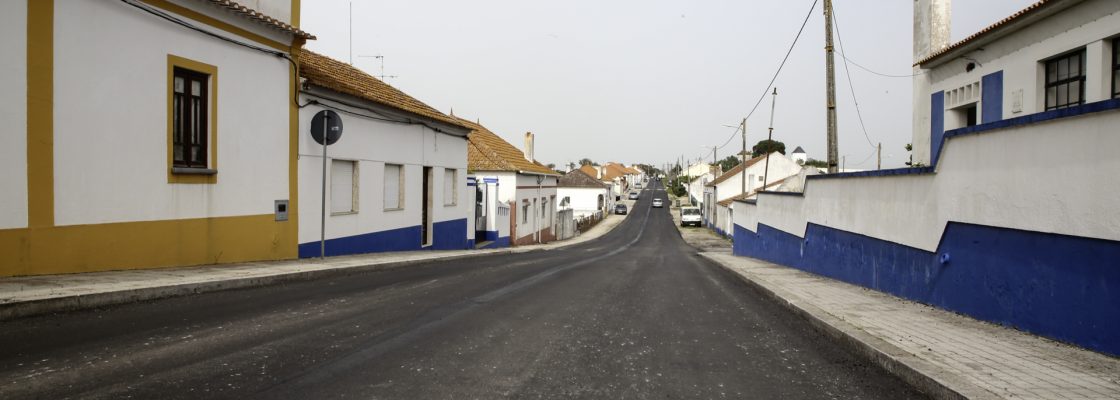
<point x="770" y="138"/>
<point x="350" y="31"/>
<point x="381" y="58"/>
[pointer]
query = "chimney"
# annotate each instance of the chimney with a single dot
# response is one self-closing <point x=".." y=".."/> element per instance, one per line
<point x="931" y="26"/>
<point x="529" y="146"/>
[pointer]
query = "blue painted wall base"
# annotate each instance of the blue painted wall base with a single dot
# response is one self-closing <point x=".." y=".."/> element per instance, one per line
<point x="1059" y="286"/>
<point x="446" y="235"/>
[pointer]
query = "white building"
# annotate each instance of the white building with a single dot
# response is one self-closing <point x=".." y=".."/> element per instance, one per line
<point x="980" y="229"/>
<point x="583" y="194"/>
<point x="133" y="141"/>
<point x="799" y="156"/>
<point x="397" y="178"/>
<point x="759" y="171"/>
<point x="509" y="179"/>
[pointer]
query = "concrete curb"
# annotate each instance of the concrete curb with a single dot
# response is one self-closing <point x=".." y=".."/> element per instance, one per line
<point x="912" y="370"/>
<point x="22" y="309"/>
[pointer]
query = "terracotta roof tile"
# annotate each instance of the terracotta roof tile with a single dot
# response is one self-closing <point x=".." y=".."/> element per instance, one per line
<point x="578" y="178"/>
<point x="325" y="72"/>
<point x="726" y="202"/>
<point x="1031" y="9"/>
<point x="590" y="170"/>
<point x="735" y="170"/>
<point x="261" y="18"/>
<point x="486" y="151"/>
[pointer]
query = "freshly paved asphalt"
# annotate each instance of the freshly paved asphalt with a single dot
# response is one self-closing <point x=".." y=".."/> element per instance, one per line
<point x="635" y="314"/>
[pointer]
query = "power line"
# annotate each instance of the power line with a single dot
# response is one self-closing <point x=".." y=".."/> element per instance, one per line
<point x="874" y="72"/>
<point x="775" y="77"/>
<point x="848" y="73"/>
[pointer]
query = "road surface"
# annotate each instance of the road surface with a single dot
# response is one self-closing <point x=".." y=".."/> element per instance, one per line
<point x="634" y="314"/>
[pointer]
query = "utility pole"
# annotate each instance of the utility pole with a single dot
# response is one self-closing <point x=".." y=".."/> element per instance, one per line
<point x="743" y="156"/>
<point x="830" y="79"/>
<point x="770" y="138"/>
<point x="879" y="156"/>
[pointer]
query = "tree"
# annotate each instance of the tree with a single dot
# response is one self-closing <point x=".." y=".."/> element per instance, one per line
<point x="768" y="146"/>
<point x="728" y="163"/>
<point x="587" y="161"/>
<point x="816" y="163"/>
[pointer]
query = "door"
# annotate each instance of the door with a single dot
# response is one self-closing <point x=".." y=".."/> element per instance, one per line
<point x="426" y="209"/>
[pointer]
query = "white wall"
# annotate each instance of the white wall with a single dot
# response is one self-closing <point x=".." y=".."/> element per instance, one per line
<point x="501" y="192"/>
<point x="584" y="201"/>
<point x="1019" y="56"/>
<point x="13" y="111"/>
<point x="780" y="168"/>
<point x="1057" y="177"/>
<point x="110" y="120"/>
<point x="372" y="144"/>
<point x="527" y="190"/>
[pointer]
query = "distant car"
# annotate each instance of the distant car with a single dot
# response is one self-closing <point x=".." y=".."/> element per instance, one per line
<point x="657" y="203"/>
<point x="633" y="196"/>
<point x="637" y="186"/>
<point x="690" y="216"/>
<point x="620" y="209"/>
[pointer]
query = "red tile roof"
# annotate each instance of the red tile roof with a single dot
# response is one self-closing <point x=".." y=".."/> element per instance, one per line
<point x="261" y="18"/>
<point x="735" y="170"/>
<point x="486" y="151"/>
<point x="991" y="29"/>
<point x="726" y="202"/>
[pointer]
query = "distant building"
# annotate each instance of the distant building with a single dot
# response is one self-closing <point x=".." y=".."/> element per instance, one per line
<point x="583" y="194"/>
<point x="799" y="156"/>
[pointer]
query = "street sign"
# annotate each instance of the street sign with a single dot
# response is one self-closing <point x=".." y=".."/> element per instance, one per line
<point x="327" y="122"/>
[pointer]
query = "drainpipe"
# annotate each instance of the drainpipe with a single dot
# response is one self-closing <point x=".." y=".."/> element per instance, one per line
<point x="536" y="220"/>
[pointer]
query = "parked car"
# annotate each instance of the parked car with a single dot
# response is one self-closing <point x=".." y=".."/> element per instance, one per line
<point x="690" y="216"/>
<point x="620" y="209"/>
<point x="633" y="196"/>
<point x="657" y="203"/>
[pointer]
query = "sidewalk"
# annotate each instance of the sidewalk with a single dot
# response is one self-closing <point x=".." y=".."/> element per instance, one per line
<point x="946" y="355"/>
<point x="33" y="295"/>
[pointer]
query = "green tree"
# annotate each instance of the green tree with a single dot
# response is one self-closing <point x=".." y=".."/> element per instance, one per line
<point x="768" y="146"/>
<point x="816" y="163"/>
<point x="728" y="163"/>
<point x="587" y="161"/>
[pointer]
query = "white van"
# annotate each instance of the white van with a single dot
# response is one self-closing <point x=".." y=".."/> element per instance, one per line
<point x="690" y="216"/>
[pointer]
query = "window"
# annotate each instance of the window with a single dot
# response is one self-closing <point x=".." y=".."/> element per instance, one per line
<point x="192" y="137"/>
<point x="344" y="187"/>
<point x="1065" y="80"/>
<point x="391" y="187"/>
<point x="525" y="212"/>
<point x="544" y="205"/>
<point x="1116" y="68"/>
<point x="450" y="187"/>
<point x="190" y="121"/>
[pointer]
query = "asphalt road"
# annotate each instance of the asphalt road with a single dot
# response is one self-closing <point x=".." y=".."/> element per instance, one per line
<point x="635" y="314"/>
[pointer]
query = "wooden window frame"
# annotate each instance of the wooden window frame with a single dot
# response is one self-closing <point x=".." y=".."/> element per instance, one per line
<point x="1079" y="80"/>
<point x="185" y="172"/>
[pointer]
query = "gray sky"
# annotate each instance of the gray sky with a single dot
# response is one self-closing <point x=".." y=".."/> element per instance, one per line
<point x="644" y="81"/>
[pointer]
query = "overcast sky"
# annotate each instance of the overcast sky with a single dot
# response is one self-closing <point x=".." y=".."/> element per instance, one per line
<point x="644" y="81"/>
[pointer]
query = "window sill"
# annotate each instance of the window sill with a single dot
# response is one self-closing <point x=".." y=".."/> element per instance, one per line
<point x="193" y="171"/>
<point x="393" y="209"/>
<point x="335" y="214"/>
<point x="450" y="205"/>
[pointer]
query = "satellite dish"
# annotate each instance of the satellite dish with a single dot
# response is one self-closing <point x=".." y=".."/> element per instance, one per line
<point x="329" y="121"/>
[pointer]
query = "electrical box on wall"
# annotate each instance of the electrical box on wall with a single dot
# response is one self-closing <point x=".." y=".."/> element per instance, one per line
<point x="281" y="210"/>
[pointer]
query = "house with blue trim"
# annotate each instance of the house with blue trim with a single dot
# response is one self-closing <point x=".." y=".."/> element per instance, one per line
<point x="984" y="224"/>
<point x="515" y="195"/>
<point x="397" y="178"/>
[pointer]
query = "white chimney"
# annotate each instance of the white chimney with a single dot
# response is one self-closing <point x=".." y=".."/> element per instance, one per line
<point x="529" y="146"/>
<point x="931" y="26"/>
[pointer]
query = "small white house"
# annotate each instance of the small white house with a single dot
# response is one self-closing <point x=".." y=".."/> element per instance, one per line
<point x="516" y="199"/>
<point x="799" y="156"/>
<point x="759" y="172"/>
<point x="397" y="178"/>
<point x="583" y="194"/>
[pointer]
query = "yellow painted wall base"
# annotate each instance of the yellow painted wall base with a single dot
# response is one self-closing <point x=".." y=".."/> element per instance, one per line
<point x="150" y="244"/>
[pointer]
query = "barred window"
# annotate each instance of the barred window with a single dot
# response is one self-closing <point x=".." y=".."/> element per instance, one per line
<point x="1065" y="80"/>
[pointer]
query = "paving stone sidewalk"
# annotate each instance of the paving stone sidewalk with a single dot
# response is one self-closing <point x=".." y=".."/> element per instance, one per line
<point x="945" y="354"/>
<point x="32" y="295"/>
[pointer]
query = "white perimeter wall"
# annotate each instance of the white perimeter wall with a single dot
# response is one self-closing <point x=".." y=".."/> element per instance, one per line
<point x="372" y="144"/>
<point x="1057" y="177"/>
<point x="584" y="201"/>
<point x="110" y="119"/>
<point x="13" y="113"/>
<point x="1020" y="57"/>
<point x="781" y="167"/>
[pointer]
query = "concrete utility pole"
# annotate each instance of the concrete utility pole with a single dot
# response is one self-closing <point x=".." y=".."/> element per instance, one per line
<point x="769" y="137"/>
<point x="743" y="156"/>
<point x="830" y="79"/>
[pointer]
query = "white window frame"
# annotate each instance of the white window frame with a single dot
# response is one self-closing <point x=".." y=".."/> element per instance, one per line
<point x="353" y="187"/>
<point x="454" y="198"/>
<point x="400" y="187"/>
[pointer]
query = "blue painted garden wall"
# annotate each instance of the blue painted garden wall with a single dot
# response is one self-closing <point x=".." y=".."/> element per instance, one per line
<point x="446" y="235"/>
<point x="1052" y="285"/>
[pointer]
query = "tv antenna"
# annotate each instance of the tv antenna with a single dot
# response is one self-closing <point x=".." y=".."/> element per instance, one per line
<point x="380" y="58"/>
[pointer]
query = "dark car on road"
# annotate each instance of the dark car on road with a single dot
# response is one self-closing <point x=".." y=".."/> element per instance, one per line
<point x="620" y="209"/>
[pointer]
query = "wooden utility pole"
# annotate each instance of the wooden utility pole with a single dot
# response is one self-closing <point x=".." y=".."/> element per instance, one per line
<point x="830" y="79"/>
